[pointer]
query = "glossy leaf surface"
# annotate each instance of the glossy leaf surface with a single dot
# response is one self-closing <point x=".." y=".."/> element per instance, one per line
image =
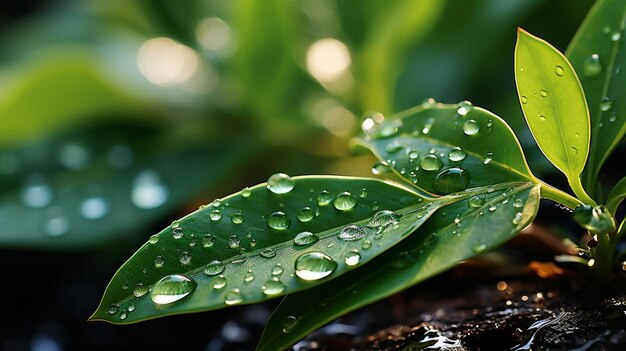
<point x="249" y="246"/>
<point x="436" y="246"/>
<point x="553" y="103"/>
<point x="428" y="142"/>
<point x="88" y="186"/>
<point x="598" y="53"/>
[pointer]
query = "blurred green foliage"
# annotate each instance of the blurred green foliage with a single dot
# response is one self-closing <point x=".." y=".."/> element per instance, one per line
<point x="207" y="96"/>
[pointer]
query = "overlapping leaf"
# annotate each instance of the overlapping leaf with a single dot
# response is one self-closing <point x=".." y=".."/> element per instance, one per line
<point x="243" y="248"/>
<point x="554" y="105"/>
<point x="447" y="148"/>
<point x="458" y="232"/>
<point x="598" y="54"/>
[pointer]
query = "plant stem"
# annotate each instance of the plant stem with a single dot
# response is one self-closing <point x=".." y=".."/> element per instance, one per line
<point x="554" y="194"/>
<point x="580" y="192"/>
<point x="603" y="257"/>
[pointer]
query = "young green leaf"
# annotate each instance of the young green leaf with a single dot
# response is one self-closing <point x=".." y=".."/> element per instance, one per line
<point x="598" y="54"/>
<point x="554" y="106"/>
<point x="448" y="148"/>
<point x="263" y="242"/>
<point x="617" y="195"/>
<point x="458" y="232"/>
<point x="91" y="185"/>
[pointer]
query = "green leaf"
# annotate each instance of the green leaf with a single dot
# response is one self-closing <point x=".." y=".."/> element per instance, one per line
<point x="554" y="106"/>
<point x="602" y="34"/>
<point x="617" y="195"/>
<point x="394" y="29"/>
<point x="93" y="185"/>
<point x="425" y="142"/>
<point x="436" y="246"/>
<point x="250" y="237"/>
<point x="57" y="91"/>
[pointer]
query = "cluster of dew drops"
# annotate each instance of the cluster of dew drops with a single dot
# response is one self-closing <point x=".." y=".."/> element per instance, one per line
<point x="309" y="266"/>
<point x="446" y="181"/>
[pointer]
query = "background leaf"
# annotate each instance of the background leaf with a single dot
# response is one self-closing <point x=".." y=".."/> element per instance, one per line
<point x="423" y="144"/>
<point x="63" y="192"/>
<point x="598" y="54"/>
<point x="617" y="195"/>
<point x="436" y="246"/>
<point x="553" y="103"/>
<point x="256" y="257"/>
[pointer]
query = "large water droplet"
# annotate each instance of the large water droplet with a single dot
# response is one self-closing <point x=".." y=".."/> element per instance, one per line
<point x="464" y="108"/>
<point x="159" y="262"/>
<point x="518" y="218"/>
<point x="606" y="104"/>
<point x="617" y="35"/>
<point x="215" y="215"/>
<point x="324" y="198"/>
<point x="208" y="240"/>
<point x="524" y="99"/>
<point x="352" y="258"/>
<point x="380" y="168"/>
<point x="559" y="71"/>
<point x="172" y="288"/>
<point x="471" y="127"/>
<point x="185" y="258"/>
<point x="280" y="183"/>
<point x="234" y="241"/>
<point x="148" y="192"/>
<point x="268" y="253"/>
<point x="219" y="282"/>
<point x="352" y="232"/>
<point x="233" y="297"/>
<point x="344" y="201"/>
<point x="237" y="217"/>
<point x="94" y="207"/>
<point x="457" y="155"/>
<point x="277" y="269"/>
<point x="451" y="180"/>
<point x="278" y="220"/>
<point x="476" y="202"/>
<point x="289" y="323"/>
<point x="592" y="66"/>
<point x="140" y="290"/>
<point x="214" y="267"/>
<point x="305" y="214"/>
<point x="518" y="203"/>
<point x="305" y="238"/>
<point x="431" y="163"/>
<point x="246" y="192"/>
<point x="383" y="219"/>
<point x="177" y="233"/>
<point x="314" y="266"/>
<point x="37" y="192"/>
<point x="273" y="287"/>
<point x="543" y="93"/>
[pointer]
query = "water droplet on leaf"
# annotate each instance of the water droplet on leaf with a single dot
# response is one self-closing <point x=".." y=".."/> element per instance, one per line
<point x="314" y="266"/>
<point x="172" y="288"/>
<point x="305" y="238"/>
<point x="431" y="163"/>
<point x="344" y="201"/>
<point x="457" y="155"/>
<point x="471" y="127"/>
<point x="233" y="297"/>
<point x="305" y="214"/>
<point x="352" y="258"/>
<point x="278" y="220"/>
<point x="280" y="183"/>
<point x="559" y="71"/>
<point x="380" y="168"/>
<point x="324" y="198"/>
<point x="592" y="66"/>
<point x="352" y="233"/>
<point x="451" y="180"/>
<point x="140" y="290"/>
<point x="214" y="267"/>
<point x="273" y="287"/>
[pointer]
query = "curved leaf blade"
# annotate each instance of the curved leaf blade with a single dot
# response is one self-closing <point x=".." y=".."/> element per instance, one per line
<point x="490" y="152"/>
<point x="421" y="256"/>
<point x="256" y="256"/>
<point x="616" y="196"/>
<point x="553" y="103"/>
<point x="602" y="34"/>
